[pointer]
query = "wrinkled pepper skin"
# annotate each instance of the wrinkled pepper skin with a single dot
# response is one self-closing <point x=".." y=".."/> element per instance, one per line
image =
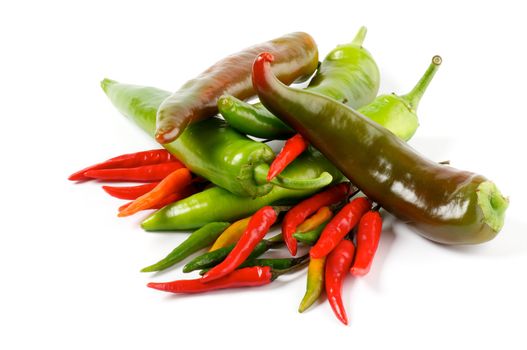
<point x="347" y="74"/>
<point x="446" y="205"/>
<point x="218" y="204"/>
<point x="296" y="57"/>
<point x="209" y="148"/>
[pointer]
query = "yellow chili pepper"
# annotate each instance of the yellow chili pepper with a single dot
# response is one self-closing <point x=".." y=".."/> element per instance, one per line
<point x="315" y="283"/>
<point x="322" y="215"/>
<point x="231" y="235"/>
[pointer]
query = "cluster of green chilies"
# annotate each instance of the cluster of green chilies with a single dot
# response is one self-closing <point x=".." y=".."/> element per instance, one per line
<point x="214" y="177"/>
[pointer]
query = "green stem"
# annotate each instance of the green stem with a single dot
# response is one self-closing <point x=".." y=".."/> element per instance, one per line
<point x="414" y="96"/>
<point x="260" y="176"/>
<point x="359" y="38"/>
<point x="493" y="204"/>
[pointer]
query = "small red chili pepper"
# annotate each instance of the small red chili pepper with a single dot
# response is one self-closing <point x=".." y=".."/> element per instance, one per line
<point x="337" y="266"/>
<point x="300" y="212"/>
<point x="129" y="192"/>
<point x="339" y="226"/>
<point x="291" y="150"/>
<point x="186" y="192"/>
<point x="130" y="160"/>
<point x="368" y="235"/>
<point x="258" y="226"/>
<point x="246" y="277"/>
<point x="146" y="173"/>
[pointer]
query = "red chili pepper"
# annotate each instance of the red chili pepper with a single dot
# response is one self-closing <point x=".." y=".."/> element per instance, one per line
<point x="130" y="160"/>
<point x="147" y="173"/>
<point x="258" y="226"/>
<point x="337" y="266"/>
<point x="368" y="235"/>
<point x="291" y="150"/>
<point x="246" y="277"/>
<point x="188" y="191"/>
<point x="339" y="226"/>
<point x="129" y="192"/>
<point x="307" y="207"/>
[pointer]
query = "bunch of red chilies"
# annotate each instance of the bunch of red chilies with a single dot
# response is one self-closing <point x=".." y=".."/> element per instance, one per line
<point x="330" y="258"/>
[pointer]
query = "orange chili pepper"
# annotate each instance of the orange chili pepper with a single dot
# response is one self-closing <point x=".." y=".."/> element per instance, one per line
<point x="231" y="235"/>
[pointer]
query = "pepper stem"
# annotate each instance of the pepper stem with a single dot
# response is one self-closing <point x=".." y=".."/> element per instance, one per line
<point x="414" y="96"/>
<point x="359" y="38"/>
<point x="301" y="262"/>
<point x="493" y="204"/>
<point x="260" y="176"/>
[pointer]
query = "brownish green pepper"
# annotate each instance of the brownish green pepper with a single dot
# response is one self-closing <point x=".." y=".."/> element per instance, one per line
<point x="296" y="56"/>
<point x="446" y="205"/>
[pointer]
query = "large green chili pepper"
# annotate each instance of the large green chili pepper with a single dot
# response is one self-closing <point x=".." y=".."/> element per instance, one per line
<point x="217" y="204"/>
<point x="209" y="148"/>
<point x="199" y="239"/>
<point x="214" y="257"/>
<point x="348" y="74"/>
<point x="296" y="56"/>
<point x="445" y="204"/>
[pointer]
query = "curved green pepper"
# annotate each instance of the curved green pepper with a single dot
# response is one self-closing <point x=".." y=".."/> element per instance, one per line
<point x="348" y="74"/>
<point x="197" y="240"/>
<point x="217" y="204"/>
<point x="446" y="205"/>
<point x="209" y="148"/>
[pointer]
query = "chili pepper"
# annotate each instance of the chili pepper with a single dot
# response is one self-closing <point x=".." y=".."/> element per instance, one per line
<point x="337" y="266"/>
<point x="171" y="198"/>
<point x="231" y="235"/>
<point x="130" y="160"/>
<point x="218" y="204"/>
<point x="154" y="172"/>
<point x="210" y="148"/>
<point x="347" y="74"/>
<point x="275" y="264"/>
<point x="214" y="257"/>
<point x="315" y="283"/>
<point x="129" y="192"/>
<point x="339" y="226"/>
<point x="310" y="237"/>
<point x="173" y="183"/>
<point x="304" y="209"/>
<point x="261" y="171"/>
<point x="322" y="215"/>
<point x="246" y="277"/>
<point x="258" y="226"/>
<point x="197" y="240"/>
<point x="368" y="235"/>
<point x="446" y="205"/>
<point x="296" y="57"/>
<point x="292" y="149"/>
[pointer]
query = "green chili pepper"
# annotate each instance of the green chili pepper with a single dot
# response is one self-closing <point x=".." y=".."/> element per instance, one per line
<point x="446" y="205"/>
<point x="348" y="74"/>
<point x="218" y="204"/>
<point x="214" y="257"/>
<point x="199" y="239"/>
<point x="310" y="237"/>
<point x="315" y="283"/>
<point x="277" y="263"/>
<point x="209" y="148"/>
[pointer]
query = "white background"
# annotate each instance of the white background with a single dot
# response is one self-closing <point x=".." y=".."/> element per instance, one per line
<point x="70" y="268"/>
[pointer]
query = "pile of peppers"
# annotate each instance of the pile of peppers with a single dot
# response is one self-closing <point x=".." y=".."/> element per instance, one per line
<point x="344" y="165"/>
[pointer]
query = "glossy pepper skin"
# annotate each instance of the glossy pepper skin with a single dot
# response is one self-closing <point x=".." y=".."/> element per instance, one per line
<point x="258" y="227"/>
<point x="347" y="74"/>
<point x="446" y="205"/>
<point x="209" y="148"/>
<point x="199" y="239"/>
<point x="315" y="283"/>
<point x="296" y="57"/>
<point x="337" y="266"/>
<point x="367" y="238"/>
<point x="218" y="204"/>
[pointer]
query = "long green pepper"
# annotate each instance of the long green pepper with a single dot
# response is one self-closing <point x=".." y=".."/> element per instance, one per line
<point x="199" y="239"/>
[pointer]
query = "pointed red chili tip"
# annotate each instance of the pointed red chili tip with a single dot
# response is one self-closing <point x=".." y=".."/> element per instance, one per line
<point x="156" y="285"/>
